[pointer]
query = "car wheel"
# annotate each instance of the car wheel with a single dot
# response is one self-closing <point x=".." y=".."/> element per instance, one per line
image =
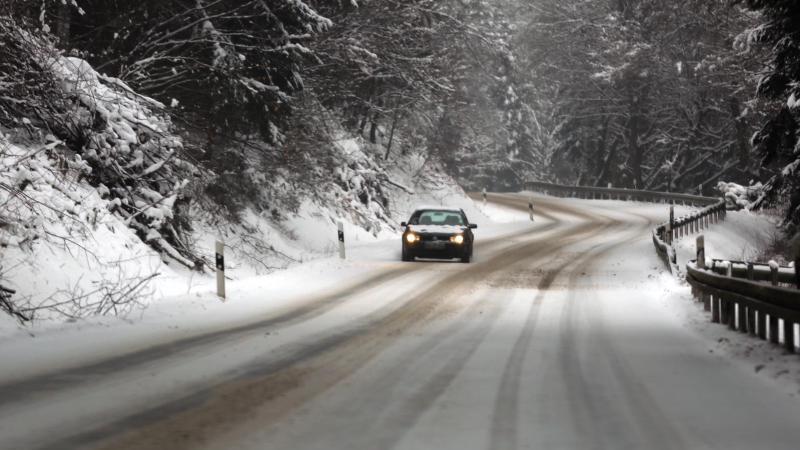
<point x="406" y="255"/>
<point x="467" y="256"/>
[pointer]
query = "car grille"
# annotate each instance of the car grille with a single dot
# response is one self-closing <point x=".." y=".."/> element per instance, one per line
<point x="435" y="237"/>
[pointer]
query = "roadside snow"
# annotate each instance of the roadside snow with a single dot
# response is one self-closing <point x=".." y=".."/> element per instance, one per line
<point x="196" y="310"/>
<point x="740" y="237"/>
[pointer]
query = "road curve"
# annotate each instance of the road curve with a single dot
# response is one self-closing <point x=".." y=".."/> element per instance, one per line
<point x="545" y="341"/>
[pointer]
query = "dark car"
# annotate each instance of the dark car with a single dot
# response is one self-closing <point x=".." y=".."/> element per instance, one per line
<point x="438" y="232"/>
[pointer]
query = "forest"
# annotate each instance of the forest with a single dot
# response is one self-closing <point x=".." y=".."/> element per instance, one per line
<point x="667" y="96"/>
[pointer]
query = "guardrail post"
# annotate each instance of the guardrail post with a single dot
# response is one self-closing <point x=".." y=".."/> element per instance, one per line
<point x="220" y="266"/>
<point x="706" y="301"/>
<point x="668" y="233"/>
<point x="750" y="271"/>
<point x="715" y="308"/>
<point x="762" y="325"/>
<point x="701" y="252"/>
<point x="730" y="305"/>
<point x="773" y="274"/>
<point x="751" y="321"/>
<point x="773" y="329"/>
<point x="724" y="311"/>
<point x="788" y="335"/>
<point x="742" y="309"/>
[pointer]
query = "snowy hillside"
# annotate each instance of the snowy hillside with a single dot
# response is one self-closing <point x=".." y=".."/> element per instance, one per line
<point x="102" y="230"/>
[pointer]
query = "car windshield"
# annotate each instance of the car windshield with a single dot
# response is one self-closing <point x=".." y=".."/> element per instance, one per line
<point x="431" y="217"/>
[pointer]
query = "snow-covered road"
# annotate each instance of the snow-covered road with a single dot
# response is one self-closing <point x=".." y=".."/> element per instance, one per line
<point x="553" y="338"/>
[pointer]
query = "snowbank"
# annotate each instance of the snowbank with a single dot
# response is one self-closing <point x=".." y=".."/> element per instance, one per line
<point x="63" y="243"/>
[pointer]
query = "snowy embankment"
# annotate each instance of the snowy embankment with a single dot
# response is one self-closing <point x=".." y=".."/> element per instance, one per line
<point x="84" y="234"/>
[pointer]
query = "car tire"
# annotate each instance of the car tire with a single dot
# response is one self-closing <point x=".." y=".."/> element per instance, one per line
<point x="467" y="256"/>
<point x="406" y="255"/>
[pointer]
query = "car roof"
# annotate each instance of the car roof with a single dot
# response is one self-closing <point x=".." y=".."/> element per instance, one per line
<point x="437" y="208"/>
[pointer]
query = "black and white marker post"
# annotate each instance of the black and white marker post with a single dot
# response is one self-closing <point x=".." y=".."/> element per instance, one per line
<point x="340" y="226"/>
<point x="484" y="196"/>
<point x="220" y="263"/>
<point x="530" y="207"/>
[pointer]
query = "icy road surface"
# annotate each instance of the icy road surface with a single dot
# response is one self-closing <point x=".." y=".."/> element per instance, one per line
<point x="552" y="338"/>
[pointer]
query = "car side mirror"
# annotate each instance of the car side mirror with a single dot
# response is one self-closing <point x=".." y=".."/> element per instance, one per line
<point x="403" y="224"/>
<point x="473" y="225"/>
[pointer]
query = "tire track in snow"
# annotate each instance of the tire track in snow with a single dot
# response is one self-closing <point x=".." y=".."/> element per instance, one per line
<point x="594" y="414"/>
<point x="44" y="385"/>
<point x="505" y="417"/>
<point x="406" y="415"/>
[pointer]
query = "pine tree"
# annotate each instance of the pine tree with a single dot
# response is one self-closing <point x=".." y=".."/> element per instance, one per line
<point x="777" y="142"/>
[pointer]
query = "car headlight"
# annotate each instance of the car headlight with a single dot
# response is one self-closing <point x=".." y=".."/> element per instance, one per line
<point x="457" y="239"/>
<point x="411" y="238"/>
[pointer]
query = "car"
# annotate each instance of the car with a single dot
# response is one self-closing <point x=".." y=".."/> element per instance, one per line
<point x="438" y="232"/>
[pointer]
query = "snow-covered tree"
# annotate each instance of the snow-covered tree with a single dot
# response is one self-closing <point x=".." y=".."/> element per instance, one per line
<point x="643" y="93"/>
<point x="778" y="141"/>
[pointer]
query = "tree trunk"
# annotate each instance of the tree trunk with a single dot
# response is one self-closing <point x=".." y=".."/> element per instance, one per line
<point x="635" y="149"/>
<point x="373" y="129"/>
<point x="64" y="21"/>
<point x="742" y="149"/>
<point x="391" y="135"/>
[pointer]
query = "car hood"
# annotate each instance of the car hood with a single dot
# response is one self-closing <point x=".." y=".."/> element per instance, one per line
<point x="452" y="229"/>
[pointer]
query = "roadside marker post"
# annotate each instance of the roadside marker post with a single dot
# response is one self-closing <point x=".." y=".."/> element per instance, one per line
<point x="220" y="265"/>
<point x="484" y="196"/>
<point x="340" y="227"/>
<point x="530" y="207"/>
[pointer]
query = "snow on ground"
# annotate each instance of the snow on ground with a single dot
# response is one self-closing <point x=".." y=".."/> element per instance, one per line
<point x="193" y="309"/>
<point x="742" y="236"/>
<point x="70" y="244"/>
<point x="615" y="314"/>
<point x="196" y="310"/>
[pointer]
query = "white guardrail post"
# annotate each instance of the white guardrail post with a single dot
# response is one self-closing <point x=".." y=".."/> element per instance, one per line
<point x="340" y="233"/>
<point x="220" y="265"/>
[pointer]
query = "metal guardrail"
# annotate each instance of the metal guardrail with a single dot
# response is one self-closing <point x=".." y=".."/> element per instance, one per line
<point x="601" y="193"/>
<point x="666" y="233"/>
<point x="742" y="300"/>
